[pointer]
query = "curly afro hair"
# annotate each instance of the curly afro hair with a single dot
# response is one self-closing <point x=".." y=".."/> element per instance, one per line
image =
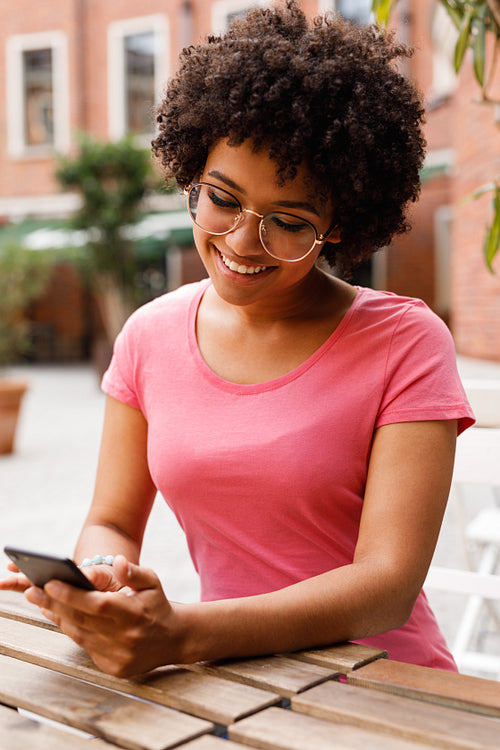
<point x="325" y="94"/>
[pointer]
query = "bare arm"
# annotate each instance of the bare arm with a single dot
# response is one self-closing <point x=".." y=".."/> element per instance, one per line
<point x="408" y="482"/>
<point x="123" y="496"/>
<point x="124" y="491"/>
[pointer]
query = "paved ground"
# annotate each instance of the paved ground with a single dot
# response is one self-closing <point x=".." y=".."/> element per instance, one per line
<point x="46" y="484"/>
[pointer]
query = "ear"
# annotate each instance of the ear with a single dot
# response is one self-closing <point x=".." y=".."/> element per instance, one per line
<point x="334" y="235"/>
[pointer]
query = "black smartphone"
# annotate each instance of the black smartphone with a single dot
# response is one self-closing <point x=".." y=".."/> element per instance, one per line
<point x="41" y="568"/>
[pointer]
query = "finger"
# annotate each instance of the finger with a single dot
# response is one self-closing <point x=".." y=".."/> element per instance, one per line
<point x="91" y="610"/>
<point x="102" y="576"/>
<point x="36" y="595"/>
<point x="134" y="576"/>
<point x="17" y="582"/>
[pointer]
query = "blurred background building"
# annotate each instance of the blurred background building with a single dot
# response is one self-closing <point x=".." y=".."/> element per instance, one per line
<point x="88" y="66"/>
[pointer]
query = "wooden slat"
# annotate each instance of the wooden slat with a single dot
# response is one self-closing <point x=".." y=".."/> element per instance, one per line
<point x="209" y="742"/>
<point x="279" y="674"/>
<point x="125" y="721"/>
<point x="403" y="717"/>
<point x="20" y="733"/>
<point x="279" y="729"/>
<point x="208" y="697"/>
<point x="15" y="607"/>
<point x="342" y="657"/>
<point x="433" y="685"/>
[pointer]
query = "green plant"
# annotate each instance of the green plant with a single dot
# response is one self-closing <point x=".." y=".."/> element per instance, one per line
<point x="112" y="179"/>
<point x="474" y="20"/>
<point x="24" y="275"/>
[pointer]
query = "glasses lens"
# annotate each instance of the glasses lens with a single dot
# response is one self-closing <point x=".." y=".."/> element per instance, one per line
<point x="287" y="237"/>
<point x="212" y="208"/>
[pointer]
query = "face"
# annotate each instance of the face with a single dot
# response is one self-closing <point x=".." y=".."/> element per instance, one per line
<point x="241" y="270"/>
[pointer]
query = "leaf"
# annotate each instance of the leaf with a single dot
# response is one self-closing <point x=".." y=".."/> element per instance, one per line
<point x="478" y="48"/>
<point x="382" y="10"/>
<point x="453" y="12"/>
<point x="478" y="192"/>
<point x="492" y="238"/>
<point x="463" y="39"/>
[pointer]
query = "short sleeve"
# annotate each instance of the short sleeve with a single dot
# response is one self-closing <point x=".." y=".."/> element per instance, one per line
<point x="421" y="377"/>
<point x="119" y="379"/>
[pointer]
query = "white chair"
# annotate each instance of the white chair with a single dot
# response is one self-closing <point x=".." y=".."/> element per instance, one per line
<point x="477" y="469"/>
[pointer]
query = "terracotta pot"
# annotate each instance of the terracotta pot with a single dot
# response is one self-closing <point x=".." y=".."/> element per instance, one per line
<point x="11" y="395"/>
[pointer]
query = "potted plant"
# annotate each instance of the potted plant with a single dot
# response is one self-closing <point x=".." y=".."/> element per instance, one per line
<point x="23" y="276"/>
<point x="112" y="179"/>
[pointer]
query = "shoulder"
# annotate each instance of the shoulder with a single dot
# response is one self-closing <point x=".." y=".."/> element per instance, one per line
<point x="168" y="307"/>
<point x="374" y="300"/>
<point x="398" y="314"/>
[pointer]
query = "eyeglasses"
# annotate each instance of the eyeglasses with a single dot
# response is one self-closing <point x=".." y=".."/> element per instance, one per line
<point x="284" y="236"/>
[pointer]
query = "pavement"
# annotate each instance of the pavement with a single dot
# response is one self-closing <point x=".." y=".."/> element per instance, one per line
<point x="47" y="483"/>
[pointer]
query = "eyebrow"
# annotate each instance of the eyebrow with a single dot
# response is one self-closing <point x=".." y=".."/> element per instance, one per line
<point x="284" y="204"/>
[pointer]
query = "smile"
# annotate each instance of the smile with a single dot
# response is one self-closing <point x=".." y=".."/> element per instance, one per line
<point x="240" y="268"/>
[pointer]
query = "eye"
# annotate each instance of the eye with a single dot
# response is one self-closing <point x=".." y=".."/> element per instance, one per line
<point x="221" y="199"/>
<point x="288" y="223"/>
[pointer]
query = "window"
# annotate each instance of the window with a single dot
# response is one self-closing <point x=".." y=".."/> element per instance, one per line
<point x="223" y="12"/>
<point x="444" y="37"/>
<point x="442" y="260"/>
<point x="356" y="10"/>
<point x="139" y="81"/>
<point x="37" y="94"/>
<point x="137" y="71"/>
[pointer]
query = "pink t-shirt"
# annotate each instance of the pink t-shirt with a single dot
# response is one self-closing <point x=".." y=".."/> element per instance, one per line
<point x="267" y="480"/>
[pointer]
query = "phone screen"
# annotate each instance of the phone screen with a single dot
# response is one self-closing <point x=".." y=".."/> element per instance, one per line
<point x="41" y="568"/>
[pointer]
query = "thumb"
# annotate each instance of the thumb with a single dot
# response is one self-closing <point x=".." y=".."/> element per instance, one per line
<point x="134" y="576"/>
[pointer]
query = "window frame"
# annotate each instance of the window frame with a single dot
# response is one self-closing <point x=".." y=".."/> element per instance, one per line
<point x="221" y="9"/>
<point x="117" y="100"/>
<point x="16" y="46"/>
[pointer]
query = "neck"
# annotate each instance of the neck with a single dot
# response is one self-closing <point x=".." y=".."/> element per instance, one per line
<point x="308" y="299"/>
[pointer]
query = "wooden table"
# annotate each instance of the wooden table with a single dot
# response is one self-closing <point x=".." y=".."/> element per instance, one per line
<point x="345" y="696"/>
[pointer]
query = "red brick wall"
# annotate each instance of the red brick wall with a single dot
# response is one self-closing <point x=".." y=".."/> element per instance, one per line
<point x="476" y="292"/>
<point x="85" y="22"/>
<point x="459" y="123"/>
<point x="411" y="257"/>
<point x="60" y="317"/>
<point x="28" y="176"/>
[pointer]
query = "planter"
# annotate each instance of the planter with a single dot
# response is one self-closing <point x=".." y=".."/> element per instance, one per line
<point x="11" y="395"/>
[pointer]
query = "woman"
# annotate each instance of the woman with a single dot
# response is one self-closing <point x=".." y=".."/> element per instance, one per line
<point x="301" y="428"/>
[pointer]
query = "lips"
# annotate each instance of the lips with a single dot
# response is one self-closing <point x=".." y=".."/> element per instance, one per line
<point x="240" y="267"/>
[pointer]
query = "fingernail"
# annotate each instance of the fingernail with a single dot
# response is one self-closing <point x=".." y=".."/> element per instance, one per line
<point x="53" y="588"/>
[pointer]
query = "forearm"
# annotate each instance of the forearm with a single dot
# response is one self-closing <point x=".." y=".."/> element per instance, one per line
<point x="351" y="602"/>
<point x="105" y="539"/>
<point x="124" y="491"/>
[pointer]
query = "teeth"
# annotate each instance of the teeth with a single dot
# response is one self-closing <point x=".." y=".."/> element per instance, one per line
<point x="233" y="266"/>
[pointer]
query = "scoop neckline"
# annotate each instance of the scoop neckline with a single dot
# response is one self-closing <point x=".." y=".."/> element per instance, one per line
<point x="268" y="385"/>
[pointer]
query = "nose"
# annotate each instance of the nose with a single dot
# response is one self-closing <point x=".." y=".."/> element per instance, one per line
<point x="244" y="239"/>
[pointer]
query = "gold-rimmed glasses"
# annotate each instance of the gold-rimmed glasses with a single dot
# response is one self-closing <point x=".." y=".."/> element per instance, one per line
<point x="284" y="236"/>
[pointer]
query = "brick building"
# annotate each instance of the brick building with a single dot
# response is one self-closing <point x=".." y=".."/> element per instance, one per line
<point x="88" y="65"/>
<point x="446" y="243"/>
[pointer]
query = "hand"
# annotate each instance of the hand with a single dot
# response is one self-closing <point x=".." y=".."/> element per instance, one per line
<point x="127" y="629"/>
<point x="17" y="582"/>
<point x="102" y="576"/>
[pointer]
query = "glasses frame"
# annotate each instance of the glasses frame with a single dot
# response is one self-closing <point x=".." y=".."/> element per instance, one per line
<point x="239" y="218"/>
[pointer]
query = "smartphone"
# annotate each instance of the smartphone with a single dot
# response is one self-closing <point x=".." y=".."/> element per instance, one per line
<point x="41" y="568"/>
